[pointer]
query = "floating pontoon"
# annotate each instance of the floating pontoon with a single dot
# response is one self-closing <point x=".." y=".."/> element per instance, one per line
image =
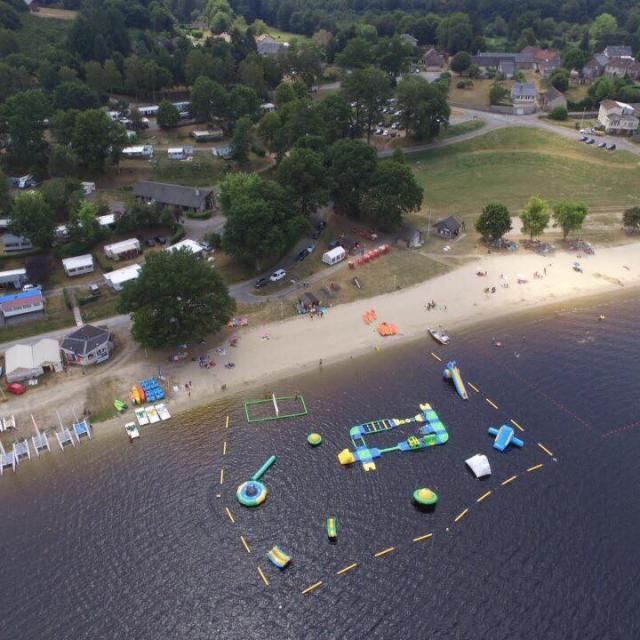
<point x="6" y="460"/>
<point x="163" y="412"/>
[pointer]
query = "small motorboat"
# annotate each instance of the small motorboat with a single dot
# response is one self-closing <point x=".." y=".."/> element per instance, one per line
<point x="332" y="528"/>
<point x="132" y="431"/>
<point x="440" y="335"/>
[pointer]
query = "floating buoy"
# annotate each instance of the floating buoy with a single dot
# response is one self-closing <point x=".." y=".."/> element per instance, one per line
<point x="314" y="439"/>
<point x="425" y="496"/>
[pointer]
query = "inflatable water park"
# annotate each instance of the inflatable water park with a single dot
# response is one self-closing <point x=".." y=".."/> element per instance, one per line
<point x="452" y="373"/>
<point x="430" y="434"/>
<point x="253" y="493"/>
<point x="504" y="437"/>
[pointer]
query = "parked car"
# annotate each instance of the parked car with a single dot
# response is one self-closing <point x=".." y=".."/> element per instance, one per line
<point x="16" y="388"/>
<point x="583" y="139"/>
<point x="28" y="287"/>
<point x="611" y="147"/>
<point x="277" y="275"/>
<point x="602" y="145"/>
<point x="307" y="251"/>
<point x="263" y="282"/>
<point x="25" y="182"/>
<point x="150" y="242"/>
<point x="321" y="225"/>
<point x="591" y="141"/>
<point x="333" y="244"/>
<point x="588" y="130"/>
<point x="160" y="239"/>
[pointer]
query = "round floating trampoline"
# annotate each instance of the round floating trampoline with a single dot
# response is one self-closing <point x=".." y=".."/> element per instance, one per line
<point x="251" y="493"/>
<point x="314" y="439"/>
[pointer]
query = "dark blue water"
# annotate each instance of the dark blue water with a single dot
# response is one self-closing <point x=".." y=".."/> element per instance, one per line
<point x="131" y="541"/>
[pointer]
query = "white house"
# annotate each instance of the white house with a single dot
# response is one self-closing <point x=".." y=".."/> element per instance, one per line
<point x="618" y="117"/>
<point x="116" y="279"/>
<point x="268" y="107"/>
<point x="78" y="265"/>
<point x="223" y="151"/>
<point x="24" y="361"/>
<point x="122" y="250"/>
<point x="190" y="245"/>
<point x="14" y="278"/>
<point x="523" y="96"/>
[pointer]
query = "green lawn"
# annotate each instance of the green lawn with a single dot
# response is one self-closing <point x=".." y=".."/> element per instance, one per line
<point x="286" y="36"/>
<point x="509" y="165"/>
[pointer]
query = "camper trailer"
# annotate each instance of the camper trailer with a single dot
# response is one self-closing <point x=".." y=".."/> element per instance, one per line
<point x="207" y="136"/>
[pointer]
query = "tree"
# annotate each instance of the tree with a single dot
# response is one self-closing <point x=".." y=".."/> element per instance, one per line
<point x="62" y="195"/>
<point x="242" y="101"/>
<point x="5" y="195"/>
<point x="535" y="216"/>
<point x="570" y="215"/>
<point x="168" y="115"/>
<point x="560" y="79"/>
<point x="604" y="25"/>
<point x="261" y="220"/>
<point x="460" y="62"/>
<point x="370" y="89"/>
<point x="97" y="139"/>
<point x="241" y="141"/>
<point x="74" y="95"/>
<point x="423" y="106"/>
<point x="39" y="269"/>
<point x="559" y="113"/>
<point x="112" y="76"/>
<point x="284" y="93"/>
<point x="32" y="218"/>
<point x="494" y="221"/>
<point x="304" y="175"/>
<point x="631" y="219"/>
<point x="177" y="298"/>
<point x="84" y="228"/>
<point x="24" y="114"/>
<point x="455" y="33"/>
<point x="497" y="93"/>
<point x="357" y="54"/>
<point x="337" y="116"/>
<point x="351" y="165"/>
<point x="575" y="58"/>
<point x="393" y="192"/>
<point x="208" y="100"/>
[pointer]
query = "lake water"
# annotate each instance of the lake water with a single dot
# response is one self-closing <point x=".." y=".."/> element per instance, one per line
<point x="119" y="540"/>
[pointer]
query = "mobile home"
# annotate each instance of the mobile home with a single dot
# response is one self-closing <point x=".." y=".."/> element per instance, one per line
<point x="180" y="153"/>
<point x="123" y="250"/>
<point x="207" y="136"/>
<point x="78" y="265"/>
<point x="333" y="256"/>
<point x="150" y="110"/>
<point x="144" y="151"/>
<point x="14" y="278"/>
<point x="116" y="279"/>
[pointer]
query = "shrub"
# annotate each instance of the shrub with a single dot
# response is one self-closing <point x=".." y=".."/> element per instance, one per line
<point x="197" y="33"/>
<point x="199" y="215"/>
<point x="559" y="113"/>
<point x="178" y="235"/>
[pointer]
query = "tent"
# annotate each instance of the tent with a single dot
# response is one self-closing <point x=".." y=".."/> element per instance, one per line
<point x="333" y="256"/>
<point x="24" y="361"/>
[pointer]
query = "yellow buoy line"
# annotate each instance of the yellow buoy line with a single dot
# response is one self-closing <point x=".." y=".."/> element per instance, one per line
<point x="426" y="536"/>
<point x="384" y="552"/>
<point x="504" y="483"/>
<point x="349" y="567"/>
<point x="473" y="386"/>
<point x="492" y="403"/>
<point x="233" y="521"/>
<point x="312" y="587"/>
<point x="549" y="453"/>
<point x="515" y="424"/>
<point x="244" y="544"/>
<point x="264" y="578"/>
<point x="437" y="357"/>
<point x="484" y="496"/>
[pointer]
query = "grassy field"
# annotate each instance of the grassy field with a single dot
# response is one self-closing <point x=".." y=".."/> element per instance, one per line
<point x="509" y="165"/>
<point x="286" y="36"/>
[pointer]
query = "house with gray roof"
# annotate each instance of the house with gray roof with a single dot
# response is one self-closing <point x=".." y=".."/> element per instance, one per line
<point x="523" y="96"/>
<point x="87" y="345"/>
<point x="618" y="51"/>
<point x="268" y="46"/>
<point x="174" y="195"/>
<point x="551" y="99"/>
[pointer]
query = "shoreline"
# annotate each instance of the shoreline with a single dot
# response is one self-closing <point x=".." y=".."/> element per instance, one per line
<point x="281" y="350"/>
<point x="276" y="359"/>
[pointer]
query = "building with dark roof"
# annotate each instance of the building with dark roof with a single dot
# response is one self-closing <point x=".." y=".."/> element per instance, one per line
<point x="87" y="345"/>
<point x="551" y="99"/>
<point x="175" y="195"/>
<point x="448" y="228"/>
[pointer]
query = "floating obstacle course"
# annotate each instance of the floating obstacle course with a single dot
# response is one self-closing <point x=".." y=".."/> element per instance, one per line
<point x="452" y="372"/>
<point x="431" y="433"/>
<point x="253" y="493"/>
<point x="278" y="557"/>
<point x="504" y="436"/>
<point x="275" y="408"/>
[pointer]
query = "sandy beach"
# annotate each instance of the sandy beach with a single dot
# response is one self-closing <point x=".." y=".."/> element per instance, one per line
<point x="270" y="352"/>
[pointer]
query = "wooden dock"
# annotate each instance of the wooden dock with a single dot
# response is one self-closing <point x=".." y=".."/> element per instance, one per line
<point x="6" y="460"/>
